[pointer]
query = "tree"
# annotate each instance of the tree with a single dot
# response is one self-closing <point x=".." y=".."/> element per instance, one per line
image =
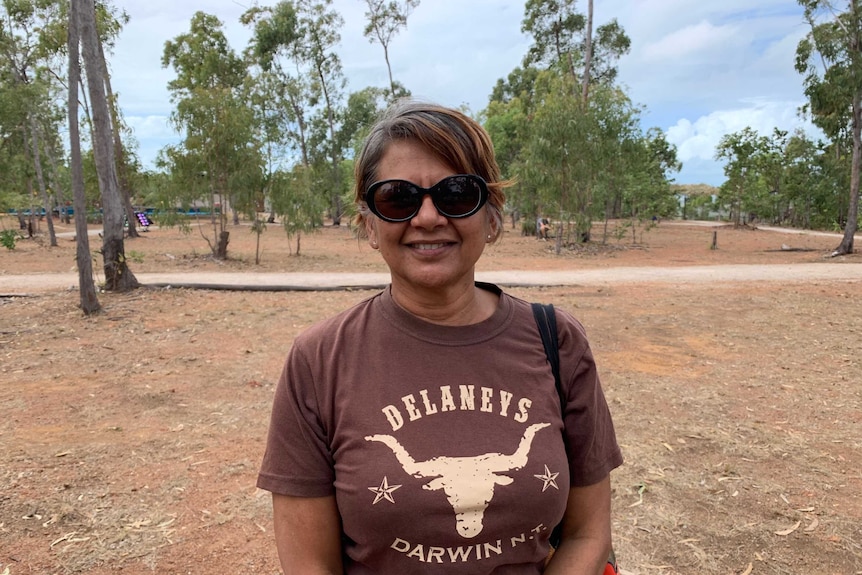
<point x="564" y="43"/>
<point x="745" y="191"/>
<point x="285" y="99"/>
<point x="26" y="56"/>
<point x="830" y="59"/>
<point x="118" y="276"/>
<point x="385" y="19"/>
<point x="218" y="162"/>
<point x="86" y="286"/>
<point x="320" y="34"/>
<point x="588" y="54"/>
<point x="562" y="36"/>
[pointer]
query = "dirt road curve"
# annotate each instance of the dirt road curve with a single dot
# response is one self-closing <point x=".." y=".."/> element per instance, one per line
<point x="12" y="284"/>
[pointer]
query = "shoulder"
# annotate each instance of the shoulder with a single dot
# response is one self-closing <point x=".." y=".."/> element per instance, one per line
<point x="568" y="325"/>
<point x="340" y="325"/>
<point x="571" y="333"/>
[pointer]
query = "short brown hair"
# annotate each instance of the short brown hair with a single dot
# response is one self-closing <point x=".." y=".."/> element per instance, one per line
<point x="452" y="136"/>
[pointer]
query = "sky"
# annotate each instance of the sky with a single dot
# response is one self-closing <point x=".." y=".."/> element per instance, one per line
<point x="699" y="68"/>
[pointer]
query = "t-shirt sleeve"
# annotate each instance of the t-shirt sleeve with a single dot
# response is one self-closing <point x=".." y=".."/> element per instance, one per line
<point x="297" y="460"/>
<point x="591" y="440"/>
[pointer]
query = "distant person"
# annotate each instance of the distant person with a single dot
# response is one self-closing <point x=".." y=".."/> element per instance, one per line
<point x="420" y="431"/>
<point x="543" y="228"/>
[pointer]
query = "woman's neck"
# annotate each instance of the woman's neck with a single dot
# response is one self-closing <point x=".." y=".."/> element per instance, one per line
<point x="464" y="304"/>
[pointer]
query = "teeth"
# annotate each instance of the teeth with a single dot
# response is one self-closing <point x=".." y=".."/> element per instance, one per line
<point x="427" y="246"/>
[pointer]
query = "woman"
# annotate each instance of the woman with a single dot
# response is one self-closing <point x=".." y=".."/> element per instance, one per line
<point x="420" y="431"/>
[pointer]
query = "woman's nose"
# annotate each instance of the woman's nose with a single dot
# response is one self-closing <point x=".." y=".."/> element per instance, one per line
<point x="427" y="214"/>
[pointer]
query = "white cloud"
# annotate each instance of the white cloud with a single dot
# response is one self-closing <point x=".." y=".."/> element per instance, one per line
<point x="699" y="139"/>
<point x="690" y="40"/>
<point x="702" y="69"/>
<point x="151" y="127"/>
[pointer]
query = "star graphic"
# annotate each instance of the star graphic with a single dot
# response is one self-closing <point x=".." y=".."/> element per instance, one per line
<point x="549" y="479"/>
<point x="385" y="491"/>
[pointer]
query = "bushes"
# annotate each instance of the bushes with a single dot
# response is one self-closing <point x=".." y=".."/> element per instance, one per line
<point x="8" y="238"/>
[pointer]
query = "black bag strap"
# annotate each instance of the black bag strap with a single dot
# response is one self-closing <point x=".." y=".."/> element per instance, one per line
<point x="546" y="320"/>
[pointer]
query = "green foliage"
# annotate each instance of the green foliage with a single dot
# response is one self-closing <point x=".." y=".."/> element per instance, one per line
<point x="385" y="19"/>
<point x="295" y="200"/>
<point x="135" y="256"/>
<point x="577" y="162"/>
<point x="830" y="59"/>
<point x="8" y="238"/>
<point x="275" y="28"/>
<point x="219" y="162"/>
<point x="559" y="40"/>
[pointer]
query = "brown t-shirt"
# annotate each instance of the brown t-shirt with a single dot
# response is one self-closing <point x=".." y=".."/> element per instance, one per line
<point x="442" y="445"/>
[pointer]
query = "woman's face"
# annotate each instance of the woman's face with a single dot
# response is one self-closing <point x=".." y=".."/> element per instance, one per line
<point x="429" y="251"/>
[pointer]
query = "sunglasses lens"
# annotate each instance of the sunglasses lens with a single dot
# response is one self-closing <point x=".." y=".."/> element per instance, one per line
<point x="397" y="200"/>
<point x="400" y="200"/>
<point x="458" y="196"/>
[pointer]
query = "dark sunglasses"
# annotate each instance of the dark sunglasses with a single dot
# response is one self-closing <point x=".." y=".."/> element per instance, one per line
<point x="454" y="197"/>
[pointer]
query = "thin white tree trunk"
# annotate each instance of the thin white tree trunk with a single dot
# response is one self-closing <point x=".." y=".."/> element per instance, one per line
<point x="86" y="286"/>
<point x="588" y="56"/>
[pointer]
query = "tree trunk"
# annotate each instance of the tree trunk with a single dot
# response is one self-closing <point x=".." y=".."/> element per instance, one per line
<point x="846" y="246"/>
<point x="335" y="196"/>
<point x="588" y="57"/>
<point x="258" y="232"/>
<point x="221" y="249"/>
<point x="389" y="68"/>
<point x="59" y="195"/>
<point x="122" y="172"/>
<point x="32" y="220"/>
<point x="118" y="276"/>
<point x="86" y="285"/>
<point x="40" y="180"/>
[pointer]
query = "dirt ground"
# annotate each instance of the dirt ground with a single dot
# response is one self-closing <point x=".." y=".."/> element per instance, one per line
<point x="131" y="440"/>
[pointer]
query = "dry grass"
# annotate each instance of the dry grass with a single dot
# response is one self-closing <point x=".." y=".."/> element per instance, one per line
<point x="131" y="440"/>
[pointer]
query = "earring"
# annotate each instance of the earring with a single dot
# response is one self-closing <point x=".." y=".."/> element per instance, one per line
<point x="374" y="244"/>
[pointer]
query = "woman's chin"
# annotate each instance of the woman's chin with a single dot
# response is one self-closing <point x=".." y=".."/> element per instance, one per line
<point x="435" y="278"/>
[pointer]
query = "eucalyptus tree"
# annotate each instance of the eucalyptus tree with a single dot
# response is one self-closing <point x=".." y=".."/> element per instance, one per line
<point x="319" y="31"/>
<point x="507" y="124"/>
<point x="25" y="55"/>
<point x="285" y="98"/>
<point x="126" y="162"/>
<point x="385" y="19"/>
<point x="745" y="190"/>
<point x="562" y="35"/>
<point x="118" y="275"/>
<point x="830" y="59"/>
<point x="510" y="107"/>
<point x="653" y="195"/>
<point x="804" y="178"/>
<point x="218" y="161"/>
<point x="362" y="110"/>
<point x="34" y="138"/>
<point x="564" y="44"/>
<point x="816" y="179"/>
<point x="110" y="21"/>
<point x="555" y="26"/>
<point x="773" y="168"/>
<point x="555" y="160"/>
<point x="14" y="160"/>
<point x="86" y="286"/>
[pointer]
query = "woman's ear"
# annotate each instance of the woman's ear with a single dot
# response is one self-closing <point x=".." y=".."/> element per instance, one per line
<point x="492" y="230"/>
<point x="371" y="232"/>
